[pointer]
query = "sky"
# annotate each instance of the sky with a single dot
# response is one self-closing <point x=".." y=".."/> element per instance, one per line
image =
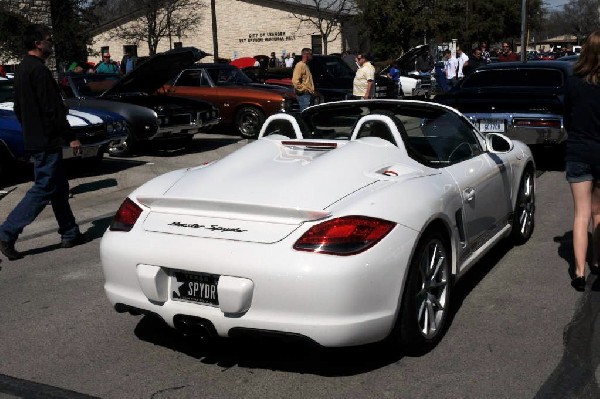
<point x="555" y="4"/>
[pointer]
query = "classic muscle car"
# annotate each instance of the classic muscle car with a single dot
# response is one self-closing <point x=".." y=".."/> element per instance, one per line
<point x="525" y="101"/>
<point x="240" y="101"/>
<point x="413" y="83"/>
<point x="152" y="116"/>
<point x="95" y="130"/>
<point x="342" y="225"/>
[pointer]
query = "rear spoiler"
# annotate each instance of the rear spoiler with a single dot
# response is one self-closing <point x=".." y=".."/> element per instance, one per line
<point x="232" y="210"/>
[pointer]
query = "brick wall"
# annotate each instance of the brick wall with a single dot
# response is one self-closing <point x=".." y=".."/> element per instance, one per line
<point x="37" y="11"/>
<point x="244" y="29"/>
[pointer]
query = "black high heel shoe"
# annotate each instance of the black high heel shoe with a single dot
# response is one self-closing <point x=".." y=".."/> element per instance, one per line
<point x="578" y="282"/>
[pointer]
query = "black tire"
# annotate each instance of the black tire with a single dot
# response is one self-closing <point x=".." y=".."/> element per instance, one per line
<point x="248" y="121"/>
<point x="427" y="292"/>
<point x="524" y="214"/>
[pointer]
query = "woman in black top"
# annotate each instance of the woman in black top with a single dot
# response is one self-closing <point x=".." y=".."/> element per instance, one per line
<point x="582" y="121"/>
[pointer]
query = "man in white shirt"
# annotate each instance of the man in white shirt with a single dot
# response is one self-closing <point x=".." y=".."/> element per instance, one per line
<point x="461" y="58"/>
<point x="450" y="67"/>
<point x="364" y="78"/>
<point x="289" y="60"/>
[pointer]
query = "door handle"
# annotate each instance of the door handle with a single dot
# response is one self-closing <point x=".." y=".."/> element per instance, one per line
<point x="469" y="193"/>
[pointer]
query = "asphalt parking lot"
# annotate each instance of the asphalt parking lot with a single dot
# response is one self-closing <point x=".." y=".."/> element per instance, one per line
<point x="518" y="330"/>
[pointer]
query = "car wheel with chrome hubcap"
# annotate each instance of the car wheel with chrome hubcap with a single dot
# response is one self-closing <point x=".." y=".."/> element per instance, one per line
<point x="426" y="300"/>
<point x="523" y="219"/>
<point x="248" y="121"/>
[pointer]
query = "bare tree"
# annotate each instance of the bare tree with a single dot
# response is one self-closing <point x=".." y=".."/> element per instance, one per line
<point x="326" y="17"/>
<point x="583" y="17"/>
<point x="160" y="19"/>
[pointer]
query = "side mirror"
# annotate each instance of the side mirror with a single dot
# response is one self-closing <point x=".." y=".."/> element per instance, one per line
<point x="498" y="143"/>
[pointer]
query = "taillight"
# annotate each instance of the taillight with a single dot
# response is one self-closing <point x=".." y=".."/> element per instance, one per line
<point x="347" y="235"/>
<point x="126" y="216"/>
<point x="537" y="123"/>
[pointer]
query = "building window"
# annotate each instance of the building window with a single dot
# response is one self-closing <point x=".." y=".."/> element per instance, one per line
<point x="317" y="44"/>
<point x="177" y="45"/>
<point x="131" y="49"/>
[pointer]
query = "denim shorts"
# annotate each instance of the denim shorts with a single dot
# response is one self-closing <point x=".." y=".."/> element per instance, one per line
<point x="578" y="172"/>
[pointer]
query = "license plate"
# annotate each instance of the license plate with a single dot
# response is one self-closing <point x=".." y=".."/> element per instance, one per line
<point x="200" y="287"/>
<point x="491" y="126"/>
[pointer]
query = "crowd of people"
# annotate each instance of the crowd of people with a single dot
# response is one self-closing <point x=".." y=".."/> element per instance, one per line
<point x="106" y="65"/>
<point x="460" y="65"/>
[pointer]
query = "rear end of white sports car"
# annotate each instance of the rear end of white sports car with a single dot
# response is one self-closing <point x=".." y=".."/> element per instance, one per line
<point x="259" y="243"/>
<point x="341" y="226"/>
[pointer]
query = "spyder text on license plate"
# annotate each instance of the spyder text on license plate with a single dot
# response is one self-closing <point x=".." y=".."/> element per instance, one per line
<point x="195" y="287"/>
<point x="491" y="126"/>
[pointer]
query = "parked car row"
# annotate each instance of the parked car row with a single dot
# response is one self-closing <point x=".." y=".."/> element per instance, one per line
<point x="97" y="130"/>
<point x="151" y="115"/>
<point x="333" y="77"/>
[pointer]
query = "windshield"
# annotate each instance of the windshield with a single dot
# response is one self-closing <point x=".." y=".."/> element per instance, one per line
<point x="91" y="85"/>
<point x="228" y="76"/>
<point x="431" y="135"/>
<point x="335" y="66"/>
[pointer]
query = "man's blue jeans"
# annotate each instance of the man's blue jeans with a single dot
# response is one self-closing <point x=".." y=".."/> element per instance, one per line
<point x="303" y="100"/>
<point x="50" y="185"/>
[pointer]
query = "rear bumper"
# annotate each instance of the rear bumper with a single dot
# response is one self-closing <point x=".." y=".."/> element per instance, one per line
<point x="330" y="300"/>
<point x="530" y="135"/>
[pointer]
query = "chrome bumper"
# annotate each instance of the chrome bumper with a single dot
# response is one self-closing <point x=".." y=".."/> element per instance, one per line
<point x="92" y="150"/>
<point x="531" y="135"/>
<point x="184" y="129"/>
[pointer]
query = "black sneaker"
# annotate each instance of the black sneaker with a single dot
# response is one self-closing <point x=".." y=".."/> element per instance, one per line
<point x="78" y="240"/>
<point x="8" y="249"/>
<point x="578" y="283"/>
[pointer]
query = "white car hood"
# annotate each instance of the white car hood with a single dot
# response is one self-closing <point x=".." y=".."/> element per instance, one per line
<point x="75" y="118"/>
<point x="272" y="174"/>
<point x="263" y="191"/>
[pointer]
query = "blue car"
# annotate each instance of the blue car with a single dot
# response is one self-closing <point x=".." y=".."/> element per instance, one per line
<point x="95" y="129"/>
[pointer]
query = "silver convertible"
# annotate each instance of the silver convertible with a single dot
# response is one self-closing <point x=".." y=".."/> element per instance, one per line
<point x="343" y="225"/>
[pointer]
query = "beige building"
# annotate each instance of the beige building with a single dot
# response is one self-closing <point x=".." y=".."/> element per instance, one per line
<point x="245" y="28"/>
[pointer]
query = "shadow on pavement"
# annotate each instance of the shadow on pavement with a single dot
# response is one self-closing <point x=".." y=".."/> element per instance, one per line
<point x="23" y="172"/>
<point x="271" y="354"/>
<point x="93" y="186"/>
<point x="204" y="143"/>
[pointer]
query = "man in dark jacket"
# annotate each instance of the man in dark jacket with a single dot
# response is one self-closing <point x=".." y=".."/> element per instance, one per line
<point x="475" y="61"/>
<point x="42" y="113"/>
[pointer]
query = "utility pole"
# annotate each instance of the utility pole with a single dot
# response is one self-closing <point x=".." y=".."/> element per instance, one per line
<point x="523" y="30"/>
<point x="213" y="11"/>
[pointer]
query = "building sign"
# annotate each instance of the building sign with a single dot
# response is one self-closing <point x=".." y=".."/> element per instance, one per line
<point x="267" y="37"/>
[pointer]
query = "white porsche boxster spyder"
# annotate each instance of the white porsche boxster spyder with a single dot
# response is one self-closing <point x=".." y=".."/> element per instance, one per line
<point x="344" y="225"/>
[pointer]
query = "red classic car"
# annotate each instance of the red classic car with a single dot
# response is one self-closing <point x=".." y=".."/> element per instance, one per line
<point x="240" y="101"/>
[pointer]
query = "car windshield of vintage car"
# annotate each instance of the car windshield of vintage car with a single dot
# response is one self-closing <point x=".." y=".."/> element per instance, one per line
<point x="93" y="85"/>
<point x="526" y="77"/>
<point x="337" y="67"/>
<point x="228" y="76"/>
